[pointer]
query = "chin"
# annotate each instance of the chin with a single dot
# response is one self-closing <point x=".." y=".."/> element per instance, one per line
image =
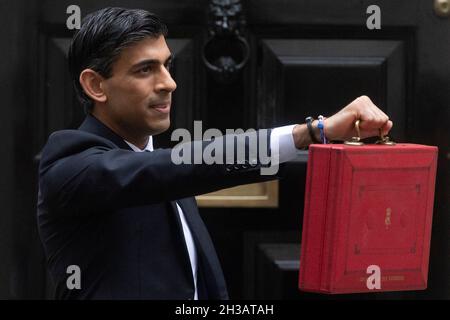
<point x="159" y="128"/>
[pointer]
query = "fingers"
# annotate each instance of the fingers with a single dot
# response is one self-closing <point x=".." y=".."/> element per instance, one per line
<point x="341" y="126"/>
<point x="372" y="118"/>
<point x="372" y="132"/>
<point x="386" y="127"/>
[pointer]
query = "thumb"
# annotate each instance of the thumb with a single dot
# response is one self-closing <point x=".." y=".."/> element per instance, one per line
<point x="387" y="127"/>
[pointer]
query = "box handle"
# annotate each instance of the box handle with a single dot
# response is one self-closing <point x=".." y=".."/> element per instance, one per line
<point x="356" y="141"/>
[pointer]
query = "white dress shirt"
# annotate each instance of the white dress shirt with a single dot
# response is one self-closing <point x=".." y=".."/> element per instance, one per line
<point x="281" y="136"/>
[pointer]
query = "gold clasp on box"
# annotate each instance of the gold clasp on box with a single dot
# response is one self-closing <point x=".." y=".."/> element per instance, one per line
<point x="385" y="140"/>
<point x="355" y="141"/>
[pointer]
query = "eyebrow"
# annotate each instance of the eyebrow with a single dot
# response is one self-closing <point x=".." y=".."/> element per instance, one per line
<point x="147" y="62"/>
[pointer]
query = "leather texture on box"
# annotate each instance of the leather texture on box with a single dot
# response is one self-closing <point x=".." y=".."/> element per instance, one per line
<point x="367" y="206"/>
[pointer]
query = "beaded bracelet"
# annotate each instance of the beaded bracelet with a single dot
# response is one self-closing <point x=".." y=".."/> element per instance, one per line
<point x="321" y="128"/>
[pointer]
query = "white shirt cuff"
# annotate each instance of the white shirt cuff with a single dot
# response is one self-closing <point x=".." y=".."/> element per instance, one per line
<point x="282" y="146"/>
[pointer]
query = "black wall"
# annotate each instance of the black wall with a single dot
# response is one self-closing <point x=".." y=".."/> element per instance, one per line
<point x="410" y="79"/>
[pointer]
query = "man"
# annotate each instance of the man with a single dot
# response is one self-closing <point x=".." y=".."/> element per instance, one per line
<point x="127" y="219"/>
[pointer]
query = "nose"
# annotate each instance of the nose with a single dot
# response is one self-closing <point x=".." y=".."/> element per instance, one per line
<point x="165" y="81"/>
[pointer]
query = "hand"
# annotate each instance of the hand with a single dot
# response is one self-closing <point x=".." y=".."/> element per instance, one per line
<point x="341" y="126"/>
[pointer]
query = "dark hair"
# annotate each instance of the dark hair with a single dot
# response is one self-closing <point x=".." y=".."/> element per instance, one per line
<point x="101" y="38"/>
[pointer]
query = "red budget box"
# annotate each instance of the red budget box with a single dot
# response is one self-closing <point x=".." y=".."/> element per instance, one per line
<point x="367" y="218"/>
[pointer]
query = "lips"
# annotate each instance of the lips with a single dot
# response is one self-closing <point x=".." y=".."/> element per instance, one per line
<point x="163" y="107"/>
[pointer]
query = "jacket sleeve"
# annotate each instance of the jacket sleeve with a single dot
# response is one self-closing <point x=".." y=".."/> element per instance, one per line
<point x="82" y="172"/>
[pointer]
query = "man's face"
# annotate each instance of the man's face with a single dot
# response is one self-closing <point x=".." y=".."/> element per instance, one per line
<point x="140" y="89"/>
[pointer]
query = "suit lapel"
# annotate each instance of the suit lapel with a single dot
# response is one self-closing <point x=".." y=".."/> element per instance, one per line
<point x="211" y="268"/>
<point x="180" y="235"/>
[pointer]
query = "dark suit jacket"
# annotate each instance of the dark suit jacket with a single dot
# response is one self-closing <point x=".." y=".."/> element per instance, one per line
<point x="111" y="211"/>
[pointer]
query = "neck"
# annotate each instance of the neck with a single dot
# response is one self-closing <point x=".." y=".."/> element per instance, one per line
<point x="139" y="141"/>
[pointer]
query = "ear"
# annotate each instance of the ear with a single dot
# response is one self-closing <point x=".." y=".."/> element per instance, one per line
<point x="91" y="82"/>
